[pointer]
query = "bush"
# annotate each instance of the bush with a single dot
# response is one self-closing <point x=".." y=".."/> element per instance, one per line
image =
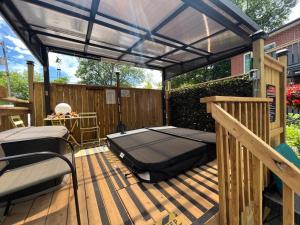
<point x="293" y="131"/>
<point x="293" y="137"/>
<point x="186" y="110"/>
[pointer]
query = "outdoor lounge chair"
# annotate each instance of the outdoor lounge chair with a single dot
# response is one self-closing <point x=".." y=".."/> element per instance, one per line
<point x="54" y="165"/>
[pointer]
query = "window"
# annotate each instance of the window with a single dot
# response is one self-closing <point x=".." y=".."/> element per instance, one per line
<point x="247" y="62"/>
<point x="269" y="47"/>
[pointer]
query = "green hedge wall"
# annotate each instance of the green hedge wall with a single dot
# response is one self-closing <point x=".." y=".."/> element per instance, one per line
<point x="187" y="111"/>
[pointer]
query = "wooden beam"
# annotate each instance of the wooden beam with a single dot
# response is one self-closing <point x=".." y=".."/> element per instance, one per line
<point x="3" y="92"/>
<point x="284" y="169"/>
<point x="288" y="205"/>
<point x="283" y="57"/>
<point x="258" y="63"/>
<point x="11" y="110"/>
<point x="16" y="101"/>
<point x="233" y="99"/>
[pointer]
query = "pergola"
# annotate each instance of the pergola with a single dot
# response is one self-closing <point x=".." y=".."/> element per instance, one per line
<point x="174" y="36"/>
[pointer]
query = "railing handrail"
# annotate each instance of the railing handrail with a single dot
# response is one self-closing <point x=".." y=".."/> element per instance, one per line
<point x="233" y="99"/>
<point x="284" y="169"/>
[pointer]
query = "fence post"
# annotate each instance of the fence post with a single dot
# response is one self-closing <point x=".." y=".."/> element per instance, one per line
<point x="282" y="56"/>
<point x="30" y="70"/>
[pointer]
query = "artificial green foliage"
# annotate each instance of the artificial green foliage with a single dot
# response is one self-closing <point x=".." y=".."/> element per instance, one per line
<point x="211" y="72"/>
<point x="186" y="110"/>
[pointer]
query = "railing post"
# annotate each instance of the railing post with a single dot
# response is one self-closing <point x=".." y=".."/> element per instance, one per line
<point x="258" y="62"/>
<point x="282" y="57"/>
<point x="221" y="175"/>
<point x="288" y="205"/>
<point x="30" y="70"/>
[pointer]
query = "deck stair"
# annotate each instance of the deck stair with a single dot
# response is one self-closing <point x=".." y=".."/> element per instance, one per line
<point x="245" y="159"/>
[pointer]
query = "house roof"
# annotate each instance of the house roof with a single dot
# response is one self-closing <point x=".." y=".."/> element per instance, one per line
<point x="285" y="27"/>
<point x="175" y="36"/>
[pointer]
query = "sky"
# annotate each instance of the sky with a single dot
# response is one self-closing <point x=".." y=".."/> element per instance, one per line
<point x="18" y="54"/>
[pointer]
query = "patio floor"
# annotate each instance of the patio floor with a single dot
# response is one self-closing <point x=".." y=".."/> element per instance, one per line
<point x="109" y="194"/>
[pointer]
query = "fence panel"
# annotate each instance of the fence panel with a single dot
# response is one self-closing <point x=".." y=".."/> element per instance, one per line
<point x="140" y="107"/>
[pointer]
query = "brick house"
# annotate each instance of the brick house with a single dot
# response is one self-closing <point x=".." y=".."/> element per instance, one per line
<point x="287" y="36"/>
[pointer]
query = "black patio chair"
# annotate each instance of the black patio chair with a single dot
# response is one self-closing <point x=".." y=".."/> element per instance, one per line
<point x="54" y="165"/>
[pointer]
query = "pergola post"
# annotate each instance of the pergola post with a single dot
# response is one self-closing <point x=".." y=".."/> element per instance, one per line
<point x="30" y="70"/>
<point x="163" y="93"/>
<point x="258" y="39"/>
<point x="46" y="80"/>
<point x="282" y="56"/>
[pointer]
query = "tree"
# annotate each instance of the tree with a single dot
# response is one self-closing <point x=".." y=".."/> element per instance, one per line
<point x="61" y="80"/>
<point x="101" y="73"/>
<point x="210" y="72"/>
<point x="268" y="14"/>
<point x="18" y="83"/>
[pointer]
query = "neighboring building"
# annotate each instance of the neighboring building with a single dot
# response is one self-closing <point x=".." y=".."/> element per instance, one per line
<point x="287" y="36"/>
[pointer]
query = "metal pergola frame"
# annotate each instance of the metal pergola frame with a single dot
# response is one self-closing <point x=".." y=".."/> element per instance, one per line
<point x="29" y="34"/>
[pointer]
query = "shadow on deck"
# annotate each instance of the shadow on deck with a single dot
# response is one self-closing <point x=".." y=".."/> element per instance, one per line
<point x="110" y="194"/>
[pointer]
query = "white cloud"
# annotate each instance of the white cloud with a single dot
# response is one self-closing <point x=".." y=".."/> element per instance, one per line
<point x="22" y="50"/>
<point x="68" y="65"/>
<point x="17" y="67"/>
<point x="19" y="56"/>
<point x="19" y="45"/>
<point x="295" y="12"/>
<point x="17" y="42"/>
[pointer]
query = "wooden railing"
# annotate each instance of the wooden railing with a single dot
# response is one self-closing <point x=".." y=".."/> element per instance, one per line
<point x="18" y="107"/>
<point x="244" y="153"/>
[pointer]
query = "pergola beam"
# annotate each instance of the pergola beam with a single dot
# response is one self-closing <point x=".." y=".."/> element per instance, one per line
<point x="11" y="14"/>
<point x="46" y="80"/>
<point x="210" y="12"/>
<point x="146" y="36"/>
<point x="159" y="26"/>
<point x="94" y="9"/>
<point x="93" y="45"/>
<point x="95" y="57"/>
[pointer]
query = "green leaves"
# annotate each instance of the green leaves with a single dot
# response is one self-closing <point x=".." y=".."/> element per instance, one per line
<point x="100" y="73"/>
<point x="211" y="72"/>
<point x="269" y="14"/>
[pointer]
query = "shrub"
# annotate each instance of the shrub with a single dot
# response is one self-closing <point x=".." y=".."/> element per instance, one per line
<point x="293" y="137"/>
<point x="186" y="110"/>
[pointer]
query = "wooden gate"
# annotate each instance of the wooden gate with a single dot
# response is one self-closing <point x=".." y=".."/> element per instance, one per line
<point x="140" y="107"/>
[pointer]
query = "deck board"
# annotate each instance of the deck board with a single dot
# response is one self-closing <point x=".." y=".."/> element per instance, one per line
<point x="109" y="194"/>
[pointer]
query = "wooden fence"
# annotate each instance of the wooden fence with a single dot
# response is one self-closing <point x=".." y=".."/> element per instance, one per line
<point x="141" y="107"/>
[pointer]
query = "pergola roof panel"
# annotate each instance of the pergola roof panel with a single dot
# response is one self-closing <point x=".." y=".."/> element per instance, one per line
<point x="160" y="63"/>
<point x="112" y="37"/>
<point x="134" y="58"/>
<point x="192" y="25"/>
<point x="182" y="56"/>
<point x="215" y="44"/>
<point x="142" y="13"/>
<point x="60" y="43"/>
<point x="152" y="48"/>
<point x="103" y="52"/>
<point x="171" y="35"/>
<point x="49" y="19"/>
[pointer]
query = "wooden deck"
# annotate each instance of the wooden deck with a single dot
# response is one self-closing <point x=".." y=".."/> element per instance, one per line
<point x="109" y="194"/>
